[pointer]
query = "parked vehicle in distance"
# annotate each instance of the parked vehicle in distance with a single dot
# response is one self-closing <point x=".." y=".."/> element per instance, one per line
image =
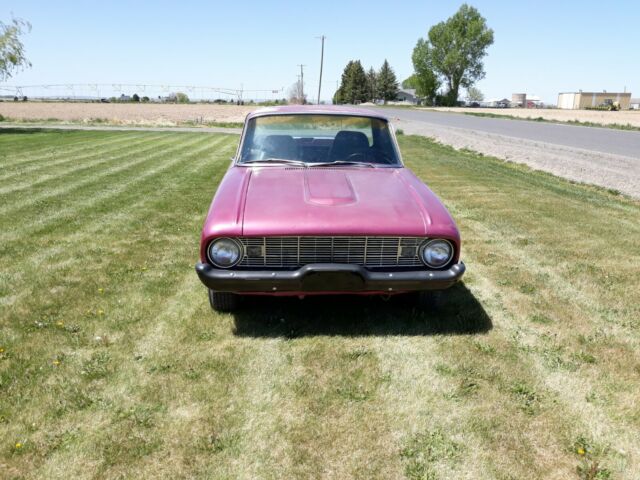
<point x="317" y="201"/>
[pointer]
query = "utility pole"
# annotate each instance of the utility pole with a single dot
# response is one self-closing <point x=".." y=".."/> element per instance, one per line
<point x="302" y="82"/>
<point x="322" y="37"/>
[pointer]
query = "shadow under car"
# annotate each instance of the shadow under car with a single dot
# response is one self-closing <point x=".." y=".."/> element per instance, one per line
<point x="350" y="315"/>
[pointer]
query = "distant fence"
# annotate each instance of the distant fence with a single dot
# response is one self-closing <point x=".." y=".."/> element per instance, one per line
<point x="124" y="91"/>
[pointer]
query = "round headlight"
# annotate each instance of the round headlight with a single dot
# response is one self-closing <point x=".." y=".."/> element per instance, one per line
<point x="437" y="253"/>
<point x="224" y="252"/>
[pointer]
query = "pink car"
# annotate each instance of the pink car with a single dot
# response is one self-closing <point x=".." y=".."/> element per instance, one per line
<point x="317" y="201"/>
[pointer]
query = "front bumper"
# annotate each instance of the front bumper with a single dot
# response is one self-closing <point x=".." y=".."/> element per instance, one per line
<point x="326" y="277"/>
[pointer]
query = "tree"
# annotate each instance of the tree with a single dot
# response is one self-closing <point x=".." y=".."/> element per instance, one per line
<point x="454" y="50"/>
<point x="353" y="85"/>
<point x="387" y="83"/>
<point x="12" y="56"/>
<point x="410" y="82"/>
<point x="426" y="79"/>
<point x="474" y="94"/>
<point x="135" y="97"/>
<point x="296" y="94"/>
<point x="181" y="97"/>
<point x="372" y="85"/>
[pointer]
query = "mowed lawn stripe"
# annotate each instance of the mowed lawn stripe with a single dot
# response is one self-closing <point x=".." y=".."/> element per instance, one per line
<point x="107" y="145"/>
<point x="15" y="156"/>
<point x="531" y="361"/>
<point x="88" y="236"/>
<point x="40" y="174"/>
<point x="105" y="184"/>
<point x="95" y="172"/>
<point x="155" y="340"/>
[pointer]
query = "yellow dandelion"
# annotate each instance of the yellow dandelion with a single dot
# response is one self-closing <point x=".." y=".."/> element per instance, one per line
<point x="1" y="350"/>
<point x="144" y="268"/>
<point x="18" y="446"/>
<point x="56" y="362"/>
<point x="101" y="290"/>
<point x="581" y="451"/>
<point x="100" y="312"/>
<point x="60" y="323"/>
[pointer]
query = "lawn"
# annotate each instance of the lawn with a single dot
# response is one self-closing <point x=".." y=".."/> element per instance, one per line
<point x="112" y="364"/>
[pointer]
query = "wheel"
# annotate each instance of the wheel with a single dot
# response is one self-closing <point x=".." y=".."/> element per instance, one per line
<point x="430" y="299"/>
<point x="223" y="301"/>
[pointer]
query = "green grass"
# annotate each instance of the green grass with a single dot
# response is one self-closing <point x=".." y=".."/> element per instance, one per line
<point x="113" y="365"/>
<point x="110" y="122"/>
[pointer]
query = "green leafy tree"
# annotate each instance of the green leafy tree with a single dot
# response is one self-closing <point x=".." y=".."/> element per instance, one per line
<point x="454" y="49"/>
<point x="474" y="94"/>
<point x="181" y="97"/>
<point x="135" y="97"/>
<point x="427" y="82"/>
<point x="12" y="57"/>
<point x="353" y="85"/>
<point x="387" y="83"/>
<point x="372" y="85"/>
<point x="410" y="82"/>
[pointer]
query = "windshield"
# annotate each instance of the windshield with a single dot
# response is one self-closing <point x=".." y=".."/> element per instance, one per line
<point x="314" y="140"/>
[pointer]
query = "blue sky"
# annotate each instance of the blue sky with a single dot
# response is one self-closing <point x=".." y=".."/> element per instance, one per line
<point x="540" y="47"/>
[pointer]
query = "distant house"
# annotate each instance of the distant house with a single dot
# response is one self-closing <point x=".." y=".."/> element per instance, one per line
<point x="634" y="104"/>
<point x="407" y="95"/>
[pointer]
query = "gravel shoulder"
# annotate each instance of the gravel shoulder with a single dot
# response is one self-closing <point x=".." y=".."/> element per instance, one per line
<point x="623" y="117"/>
<point x="616" y="172"/>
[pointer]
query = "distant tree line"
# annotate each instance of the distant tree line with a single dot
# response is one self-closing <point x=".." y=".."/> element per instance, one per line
<point x="358" y="86"/>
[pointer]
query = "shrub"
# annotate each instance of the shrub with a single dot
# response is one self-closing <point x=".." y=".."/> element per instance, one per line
<point x="182" y="97"/>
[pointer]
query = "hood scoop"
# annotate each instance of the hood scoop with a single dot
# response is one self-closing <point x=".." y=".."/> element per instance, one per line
<point x="328" y="187"/>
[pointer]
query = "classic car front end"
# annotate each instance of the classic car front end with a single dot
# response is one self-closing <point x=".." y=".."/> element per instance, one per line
<point x="317" y="201"/>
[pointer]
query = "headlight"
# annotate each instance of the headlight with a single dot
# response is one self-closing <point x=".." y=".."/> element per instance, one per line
<point x="224" y="252"/>
<point x="436" y="253"/>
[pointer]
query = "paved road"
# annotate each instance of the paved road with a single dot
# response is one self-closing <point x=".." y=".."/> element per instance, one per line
<point x="605" y="140"/>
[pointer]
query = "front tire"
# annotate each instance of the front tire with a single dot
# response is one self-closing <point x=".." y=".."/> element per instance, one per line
<point x="223" y="301"/>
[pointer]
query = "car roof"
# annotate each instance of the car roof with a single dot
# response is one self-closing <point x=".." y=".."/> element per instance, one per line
<point x="315" y="109"/>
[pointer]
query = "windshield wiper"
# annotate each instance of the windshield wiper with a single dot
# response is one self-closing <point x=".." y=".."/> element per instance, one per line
<point x="285" y="161"/>
<point x="344" y="162"/>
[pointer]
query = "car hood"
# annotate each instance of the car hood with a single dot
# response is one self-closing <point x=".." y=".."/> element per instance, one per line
<point x="332" y="201"/>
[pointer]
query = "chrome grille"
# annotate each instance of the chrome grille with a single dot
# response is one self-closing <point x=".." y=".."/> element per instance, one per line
<point x="293" y="252"/>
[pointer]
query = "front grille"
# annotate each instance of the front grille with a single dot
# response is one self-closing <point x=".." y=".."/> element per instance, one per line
<point x="294" y="252"/>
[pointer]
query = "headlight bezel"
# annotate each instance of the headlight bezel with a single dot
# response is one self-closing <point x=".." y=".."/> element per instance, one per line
<point x="235" y="242"/>
<point x="431" y="241"/>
